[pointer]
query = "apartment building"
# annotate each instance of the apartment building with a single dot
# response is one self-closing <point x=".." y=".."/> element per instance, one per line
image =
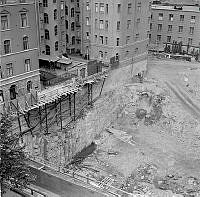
<point x="176" y="23"/>
<point x="60" y="28"/>
<point x="19" y="66"/>
<point x="115" y="28"/>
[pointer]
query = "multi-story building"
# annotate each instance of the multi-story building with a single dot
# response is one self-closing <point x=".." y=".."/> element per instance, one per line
<point x="60" y="28"/>
<point x="19" y="66"/>
<point x="176" y="23"/>
<point x="115" y="28"/>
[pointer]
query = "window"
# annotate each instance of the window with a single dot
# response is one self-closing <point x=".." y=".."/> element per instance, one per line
<point x="72" y="12"/>
<point x="7" y="48"/>
<point x="169" y="39"/>
<point x="170" y="28"/>
<point x="46" y="34"/>
<point x="181" y="18"/>
<point x="150" y="26"/>
<point x="54" y="1"/>
<point x="106" y="40"/>
<point x="55" y="14"/>
<point x="128" y="24"/>
<point x="87" y="21"/>
<point x="106" y="25"/>
<point x="101" y="7"/>
<point x="129" y="8"/>
<point x="101" y="39"/>
<point x="13" y="93"/>
<point x="1" y="73"/>
<point x="66" y="24"/>
<point x="127" y="39"/>
<point x="137" y="37"/>
<point x="67" y="38"/>
<point x="117" y="41"/>
<point x="118" y="8"/>
<point x="4" y="22"/>
<point x="25" y="43"/>
<point x="191" y="30"/>
<point x="106" y="8"/>
<point x="56" y="46"/>
<point x="193" y="19"/>
<point x="106" y="55"/>
<point x="29" y="86"/>
<point x="46" y="18"/>
<point x="27" y="65"/>
<point x="171" y="17"/>
<point x="9" y="68"/>
<point x="45" y="3"/>
<point x="96" y="7"/>
<point x="139" y="6"/>
<point x="159" y="27"/>
<point x="180" y="29"/>
<point x="118" y="25"/>
<point x="160" y="16"/>
<point x="136" y="50"/>
<point x="1" y="96"/>
<point x="95" y="38"/>
<point x="56" y="30"/>
<point x="87" y="5"/>
<point x="159" y="38"/>
<point x="24" y="20"/>
<point x="73" y="40"/>
<point x="66" y="10"/>
<point x="137" y="22"/>
<point x="100" y="54"/>
<point x="101" y="24"/>
<point x="87" y="35"/>
<point x="72" y="26"/>
<point x="190" y="41"/>
<point x="48" y="50"/>
<point x="96" y="23"/>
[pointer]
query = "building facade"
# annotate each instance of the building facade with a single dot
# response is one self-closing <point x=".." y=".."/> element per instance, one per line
<point x="176" y="23"/>
<point x="59" y="28"/>
<point x="19" y="66"/>
<point x="115" y="28"/>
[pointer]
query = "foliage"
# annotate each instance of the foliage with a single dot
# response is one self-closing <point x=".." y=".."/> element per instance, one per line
<point x="14" y="172"/>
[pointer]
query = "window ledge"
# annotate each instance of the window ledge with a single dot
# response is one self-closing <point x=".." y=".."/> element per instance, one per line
<point x="3" y="30"/>
<point x="24" y="27"/>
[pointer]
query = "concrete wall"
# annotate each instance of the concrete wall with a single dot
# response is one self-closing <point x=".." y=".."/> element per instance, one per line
<point x="62" y="187"/>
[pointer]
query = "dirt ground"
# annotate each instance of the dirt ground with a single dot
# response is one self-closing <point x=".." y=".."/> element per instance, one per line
<point x="163" y="142"/>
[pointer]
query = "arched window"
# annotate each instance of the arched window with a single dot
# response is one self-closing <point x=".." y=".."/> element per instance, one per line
<point x="56" y="30"/>
<point x="48" y="50"/>
<point x="46" y="18"/>
<point x="72" y="12"/>
<point x="13" y="93"/>
<point x="72" y="26"/>
<point x="67" y="38"/>
<point x="29" y="86"/>
<point x="73" y="40"/>
<point x="56" y="46"/>
<point x="25" y="43"/>
<point x="45" y="3"/>
<point x="66" y="10"/>
<point x="46" y="34"/>
<point x="55" y="14"/>
<point x="66" y="24"/>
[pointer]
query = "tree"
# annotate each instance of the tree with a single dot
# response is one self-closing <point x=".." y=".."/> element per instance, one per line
<point x="14" y="171"/>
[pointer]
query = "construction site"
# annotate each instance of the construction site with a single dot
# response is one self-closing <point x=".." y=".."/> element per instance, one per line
<point x="118" y="134"/>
